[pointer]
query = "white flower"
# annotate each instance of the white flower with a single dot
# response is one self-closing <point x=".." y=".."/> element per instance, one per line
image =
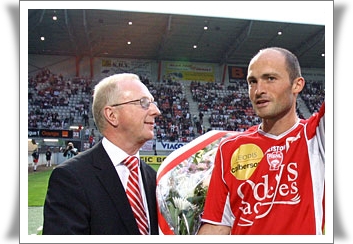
<point x="183" y="204"/>
<point x="186" y="184"/>
<point x="206" y="181"/>
<point x="182" y="190"/>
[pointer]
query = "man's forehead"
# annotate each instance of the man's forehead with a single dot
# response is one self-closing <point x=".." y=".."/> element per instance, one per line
<point x="267" y="54"/>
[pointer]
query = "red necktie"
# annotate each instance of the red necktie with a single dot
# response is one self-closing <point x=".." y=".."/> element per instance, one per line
<point x="134" y="195"/>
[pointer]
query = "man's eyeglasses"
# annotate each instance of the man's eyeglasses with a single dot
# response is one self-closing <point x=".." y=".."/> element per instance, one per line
<point x="144" y="102"/>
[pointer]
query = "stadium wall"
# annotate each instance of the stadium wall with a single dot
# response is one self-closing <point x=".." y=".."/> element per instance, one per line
<point x="86" y="67"/>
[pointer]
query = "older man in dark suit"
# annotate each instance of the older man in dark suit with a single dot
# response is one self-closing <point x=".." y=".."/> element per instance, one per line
<point x="88" y="194"/>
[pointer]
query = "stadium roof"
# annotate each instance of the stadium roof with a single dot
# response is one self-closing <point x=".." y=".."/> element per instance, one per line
<point x="169" y="37"/>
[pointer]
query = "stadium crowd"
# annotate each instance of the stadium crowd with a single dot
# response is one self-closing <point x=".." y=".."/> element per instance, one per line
<point x="57" y="102"/>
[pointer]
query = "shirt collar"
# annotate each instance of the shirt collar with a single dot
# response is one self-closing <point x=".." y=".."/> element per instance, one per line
<point x="116" y="154"/>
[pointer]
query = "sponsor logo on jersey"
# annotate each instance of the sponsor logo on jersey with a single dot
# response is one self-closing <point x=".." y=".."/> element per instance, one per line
<point x="245" y="160"/>
<point x="277" y="187"/>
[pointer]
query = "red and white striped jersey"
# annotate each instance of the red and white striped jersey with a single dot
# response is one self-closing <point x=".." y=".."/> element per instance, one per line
<point x="266" y="184"/>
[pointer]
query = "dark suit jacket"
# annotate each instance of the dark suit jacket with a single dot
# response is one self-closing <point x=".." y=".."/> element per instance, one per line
<point x="85" y="196"/>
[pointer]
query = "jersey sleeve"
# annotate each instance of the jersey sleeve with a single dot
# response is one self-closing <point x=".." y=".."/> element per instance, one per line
<point x="217" y="208"/>
<point x="320" y="131"/>
<point x="316" y="132"/>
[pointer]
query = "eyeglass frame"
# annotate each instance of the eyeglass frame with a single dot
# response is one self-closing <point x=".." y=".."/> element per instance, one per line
<point x="142" y="100"/>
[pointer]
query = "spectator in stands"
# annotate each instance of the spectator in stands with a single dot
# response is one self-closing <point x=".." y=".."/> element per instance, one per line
<point x="85" y="117"/>
<point x="91" y="141"/>
<point x="201" y="117"/>
<point x="195" y="120"/>
<point x="87" y="133"/>
<point x="86" y="194"/>
<point x="270" y="179"/>
<point x="93" y="133"/>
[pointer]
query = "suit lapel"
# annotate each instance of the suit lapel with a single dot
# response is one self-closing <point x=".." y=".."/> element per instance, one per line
<point x="111" y="182"/>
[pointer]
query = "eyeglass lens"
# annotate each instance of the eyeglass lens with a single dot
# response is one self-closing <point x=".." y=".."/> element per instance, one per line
<point x="145" y="102"/>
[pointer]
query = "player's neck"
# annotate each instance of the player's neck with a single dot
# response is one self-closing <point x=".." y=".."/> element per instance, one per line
<point x="278" y="126"/>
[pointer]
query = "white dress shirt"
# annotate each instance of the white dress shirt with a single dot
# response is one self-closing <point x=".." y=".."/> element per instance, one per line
<point x="117" y="155"/>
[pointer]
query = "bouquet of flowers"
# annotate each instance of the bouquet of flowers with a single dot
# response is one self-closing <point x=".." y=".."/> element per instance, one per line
<point x="182" y="184"/>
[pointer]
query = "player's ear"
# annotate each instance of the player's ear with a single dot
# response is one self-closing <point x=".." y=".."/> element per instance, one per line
<point x="298" y="85"/>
